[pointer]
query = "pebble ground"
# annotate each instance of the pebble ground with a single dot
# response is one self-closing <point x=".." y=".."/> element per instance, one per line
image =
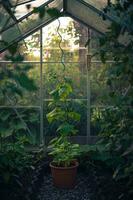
<point x="80" y="192"/>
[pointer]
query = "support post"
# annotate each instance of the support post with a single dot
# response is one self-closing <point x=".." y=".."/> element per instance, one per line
<point x="42" y="142"/>
<point x="88" y="90"/>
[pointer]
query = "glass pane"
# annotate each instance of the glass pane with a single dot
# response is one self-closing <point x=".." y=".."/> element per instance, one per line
<point x="94" y="45"/>
<point x="5" y="19"/>
<point x="17" y="2"/>
<point x="22" y="93"/>
<point x="95" y="120"/>
<point x="99" y="89"/>
<point x="72" y="40"/>
<point x="103" y="117"/>
<point x="31" y="48"/>
<point x="21" y="121"/>
<point x="102" y="91"/>
<point x="87" y="15"/>
<point x="54" y="71"/>
<point x="23" y="9"/>
<point x="97" y="3"/>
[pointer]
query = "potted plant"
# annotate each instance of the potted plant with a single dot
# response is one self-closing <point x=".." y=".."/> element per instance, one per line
<point x="64" y="153"/>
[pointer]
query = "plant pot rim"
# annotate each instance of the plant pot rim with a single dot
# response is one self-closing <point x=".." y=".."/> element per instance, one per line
<point x="76" y="164"/>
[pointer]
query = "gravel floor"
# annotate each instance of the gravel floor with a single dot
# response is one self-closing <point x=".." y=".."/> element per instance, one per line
<point x="80" y="192"/>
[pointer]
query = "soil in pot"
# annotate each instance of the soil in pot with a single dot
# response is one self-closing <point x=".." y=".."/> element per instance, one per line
<point x="64" y="177"/>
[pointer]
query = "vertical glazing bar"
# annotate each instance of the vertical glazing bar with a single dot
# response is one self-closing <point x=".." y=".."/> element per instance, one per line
<point x="42" y="141"/>
<point x="88" y="89"/>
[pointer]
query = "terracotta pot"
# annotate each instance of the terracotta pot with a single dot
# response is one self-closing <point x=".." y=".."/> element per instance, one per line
<point x="64" y="177"/>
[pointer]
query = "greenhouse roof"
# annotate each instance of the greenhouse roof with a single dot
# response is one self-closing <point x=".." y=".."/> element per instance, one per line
<point x="18" y="20"/>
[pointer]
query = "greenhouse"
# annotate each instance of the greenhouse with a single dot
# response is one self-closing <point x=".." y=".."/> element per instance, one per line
<point x="66" y="99"/>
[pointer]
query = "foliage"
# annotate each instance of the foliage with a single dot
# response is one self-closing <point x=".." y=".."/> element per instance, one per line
<point x="52" y="70"/>
<point x="13" y="159"/>
<point x="116" y="130"/>
<point x="116" y="120"/>
<point x="61" y="110"/>
<point x="61" y="149"/>
<point x="12" y="125"/>
<point x="14" y="81"/>
<point x="95" y="160"/>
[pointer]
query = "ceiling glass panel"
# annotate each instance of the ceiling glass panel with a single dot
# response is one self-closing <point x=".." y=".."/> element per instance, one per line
<point x="86" y="14"/>
<point x="97" y="3"/>
<point x="28" y="25"/>
<point x="16" y="2"/>
<point x="97" y="6"/>
<point x="23" y="9"/>
<point x="5" y="18"/>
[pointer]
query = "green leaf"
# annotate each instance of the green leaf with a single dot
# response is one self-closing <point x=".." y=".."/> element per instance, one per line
<point x="18" y="126"/>
<point x="6" y="176"/>
<point x="33" y="118"/>
<point x="75" y="116"/>
<point x="26" y="82"/>
<point x="13" y="48"/>
<point x="53" y="12"/>
<point x="40" y="10"/>
<point x="116" y="172"/>
<point x="4" y="115"/>
<point x="6" y="132"/>
<point x="128" y="151"/>
<point x="55" y="115"/>
<point x="65" y="129"/>
<point x="102" y="41"/>
<point x="88" y="43"/>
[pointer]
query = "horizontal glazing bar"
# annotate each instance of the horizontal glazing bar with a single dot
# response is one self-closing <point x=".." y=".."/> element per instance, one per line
<point x="67" y="100"/>
<point x="37" y="62"/>
<point x="20" y="106"/>
<point x="92" y="106"/>
<point x="38" y="107"/>
<point x="108" y="106"/>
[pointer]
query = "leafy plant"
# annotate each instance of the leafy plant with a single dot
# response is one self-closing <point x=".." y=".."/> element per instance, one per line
<point x="116" y="121"/>
<point x="61" y="149"/>
<point x="14" y="159"/>
<point x="14" y="81"/>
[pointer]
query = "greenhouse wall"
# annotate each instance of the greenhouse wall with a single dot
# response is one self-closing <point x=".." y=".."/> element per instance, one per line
<point x="44" y="53"/>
